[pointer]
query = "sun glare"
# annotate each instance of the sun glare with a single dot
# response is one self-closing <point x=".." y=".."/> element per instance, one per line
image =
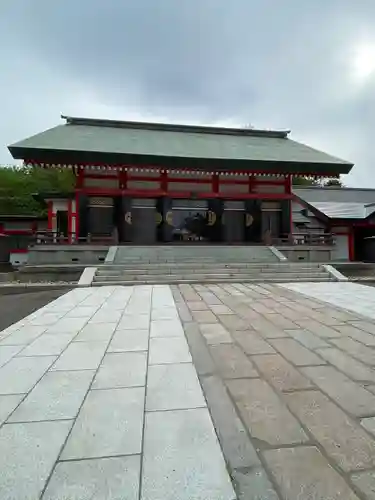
<point x="364" y="61"/>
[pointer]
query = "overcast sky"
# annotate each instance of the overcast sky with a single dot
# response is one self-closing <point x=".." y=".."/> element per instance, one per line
<point x="304" y="65"/>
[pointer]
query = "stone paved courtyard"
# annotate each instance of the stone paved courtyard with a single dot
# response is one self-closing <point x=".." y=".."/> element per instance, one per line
<point x="209" y="392"/>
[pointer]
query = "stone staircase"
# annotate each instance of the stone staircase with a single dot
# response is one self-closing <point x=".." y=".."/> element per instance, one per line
<point x="193" y="253"/>
<point x="172" y="265"/>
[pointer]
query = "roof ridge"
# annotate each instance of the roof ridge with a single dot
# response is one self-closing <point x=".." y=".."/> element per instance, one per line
<point x="332" y="188"/>
<point x="175" y="127"/>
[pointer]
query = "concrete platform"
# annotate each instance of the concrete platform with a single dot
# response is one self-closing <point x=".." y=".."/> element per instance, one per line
<point x="199" y="392"/>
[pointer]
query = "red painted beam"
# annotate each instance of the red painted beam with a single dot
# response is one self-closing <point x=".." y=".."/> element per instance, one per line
<point x="98" y="176"/>
<point x="364" y="224"/>
<point x="154" y="193"/>
<point x="199" y="180"/>
<point x="19" y="250"/>
<point x="20" y="232"/>
<point x="187" y="169"/>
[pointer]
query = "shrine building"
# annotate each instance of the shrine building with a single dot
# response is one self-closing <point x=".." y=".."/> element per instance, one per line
<point x="155" y="183"/>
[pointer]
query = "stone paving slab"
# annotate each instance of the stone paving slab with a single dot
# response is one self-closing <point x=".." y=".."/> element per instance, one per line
<point x="365" y="482"/>
<point x="348" y="394"/>
<point x="252" y="343"/>
<point x="48" y="344"/>
<point x="231" y="361"/>
<point x="304" y="473"/>
<point x="28" y="454"/>
<point x="345" y="363"/>
<point x="254" y="484"/>
<point x="307" y="339"/>
<point x="19" y="375"/>
<point x="58" y="395"/>
<point x="24" y="335"/>
<point x="341" y="437"/>
<point x="112" y="478"/>
<point x="265" y="414"/>
<point x="238" y="448"/>
<point x="173" y="387"/>
<point x="281" y="374"/>
<point x="96" y="331"/>
<point x="356" y="349"/>
<point x="182" y="458"/>
<point x="7" y="352"/>
<point x="294" y="352"/>
<point x="8" y="404"/>
<point x="129" y="340"/>
<point x="109" y="423"/>
<point x="169" y="350"/>
<point x="81" y="356"/>
<point x="123" y="369"/>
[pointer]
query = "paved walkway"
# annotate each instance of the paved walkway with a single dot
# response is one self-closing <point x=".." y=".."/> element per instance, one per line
<point x="352" y="296"/>
<point x="100" y="395"/>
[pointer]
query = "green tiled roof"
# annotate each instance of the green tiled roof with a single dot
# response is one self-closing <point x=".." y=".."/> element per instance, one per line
<point x="81" y="140"/>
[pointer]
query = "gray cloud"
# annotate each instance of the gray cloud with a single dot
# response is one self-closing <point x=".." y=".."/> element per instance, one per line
<point x="273" y="64"/>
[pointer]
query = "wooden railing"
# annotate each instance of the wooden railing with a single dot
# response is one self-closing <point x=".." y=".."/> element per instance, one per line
<point x="53" y="238"/>
<point x="295" y="239"/>
<point x="317" y="239"/>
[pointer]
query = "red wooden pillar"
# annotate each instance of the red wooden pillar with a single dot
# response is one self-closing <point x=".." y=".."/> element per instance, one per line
<point x="123" y="180"/>
<point x="164" y="181"/>
<point x="351" y="244"/>
<point x="70" y="239"/>
<point x="251" y="183"/>
<point x="50" y="215"/>
<point x="215" y="184"/>
<point x="80" y="177"/>
<point x="288" y="190"/>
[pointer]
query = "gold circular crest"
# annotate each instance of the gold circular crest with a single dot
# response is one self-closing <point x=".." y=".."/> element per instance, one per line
<point x="158" y="218"/>
<point x="211" y="218"/>
<point x="249" y="220"/>
<point x="169" y="218"/>
<point x="128" y="218"/>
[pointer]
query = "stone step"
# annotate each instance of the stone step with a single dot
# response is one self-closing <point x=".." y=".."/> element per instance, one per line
<point x="170" y="281"/>
<point x="157" y="260"/>
<point x="216" y="276"/>
<point x="208" y="265"/>
<point x="211" y="270"/>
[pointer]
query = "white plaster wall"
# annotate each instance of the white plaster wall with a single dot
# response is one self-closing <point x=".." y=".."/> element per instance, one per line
<point x="234" y="188"/>
<point x="264" y="188"/>
<point x="143" y="184"/>
<point x="190" y="186"/>
<point x="341" y="248"/>
<point x="18" y="259"/>
<point x="59" y="205"/>
<point x="101" y="183"/>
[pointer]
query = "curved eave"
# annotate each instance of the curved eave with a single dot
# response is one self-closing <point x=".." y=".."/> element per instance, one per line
<point x="91" y="157"/>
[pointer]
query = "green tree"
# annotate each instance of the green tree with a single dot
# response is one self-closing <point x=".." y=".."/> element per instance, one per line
<point x="333" y="183"/>
<point x="19" y="184"/>
<point x="302" y="181"/>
